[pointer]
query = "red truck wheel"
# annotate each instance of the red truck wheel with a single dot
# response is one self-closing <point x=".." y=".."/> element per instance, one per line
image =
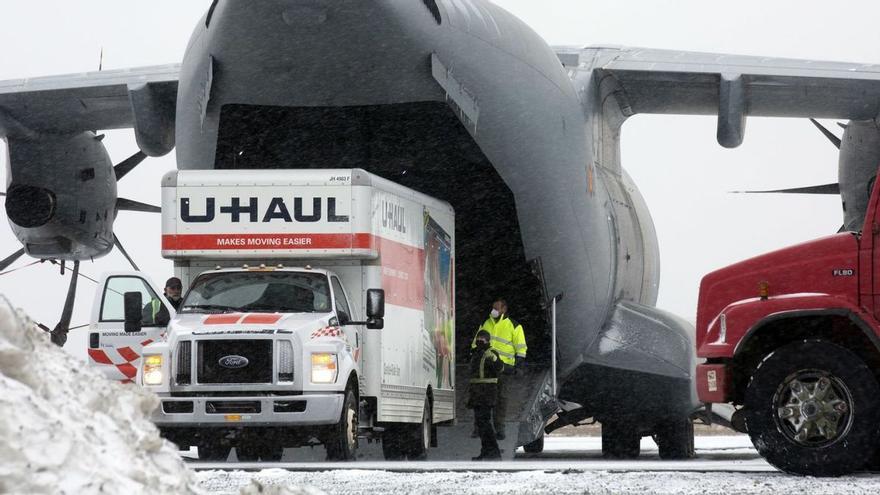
<point x="811" y="409"/>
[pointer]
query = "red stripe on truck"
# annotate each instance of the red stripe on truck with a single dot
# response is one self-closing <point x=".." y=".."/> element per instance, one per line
<point x="261" y="318"/>
<point x="99" y="356"/>
<point x="128" y="354"/>
<point x="127" y="369"/>
<point x="403" y="273"/>
<point x="403" y="266"/>
<point x="222" y="319"/>
<point x="281" y="241"/>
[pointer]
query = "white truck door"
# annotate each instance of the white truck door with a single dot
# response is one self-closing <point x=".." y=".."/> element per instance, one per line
<point x="114" y="351"/>
<point x="352" y="332"/>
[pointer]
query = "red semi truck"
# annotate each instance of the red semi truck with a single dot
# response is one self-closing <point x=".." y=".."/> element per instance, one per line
<point x="792" y="338"/>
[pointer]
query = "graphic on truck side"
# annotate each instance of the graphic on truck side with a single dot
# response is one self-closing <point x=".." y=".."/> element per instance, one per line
<point x="439" y="299"/>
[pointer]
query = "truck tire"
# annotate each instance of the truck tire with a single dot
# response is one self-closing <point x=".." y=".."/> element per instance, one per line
<point x="213" y="450"/>
<point x="620" y="441"/>
<point x="393" y="442"/>
<point x="254" y="452"/>
<point x="535" y="447"/>
<point x="272" y="453"/>
<point x="247" y="452"/>
<point x="811" y="409"/>
<point x="342" y="442"/>
<point x="420" y="435"/>
<point x="675" y="439"/>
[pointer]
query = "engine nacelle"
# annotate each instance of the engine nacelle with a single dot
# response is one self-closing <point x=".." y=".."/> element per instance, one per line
<point x="61" y="195"/>
<point x="859" y="158"/>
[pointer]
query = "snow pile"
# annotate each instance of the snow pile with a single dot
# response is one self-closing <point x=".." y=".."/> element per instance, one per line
<point x="64" y="428"/>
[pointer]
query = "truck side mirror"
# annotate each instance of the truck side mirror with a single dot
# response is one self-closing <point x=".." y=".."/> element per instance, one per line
<point x="375" y="309"/>
<point x="375" y="303"/>
<point x="133" y="302"/>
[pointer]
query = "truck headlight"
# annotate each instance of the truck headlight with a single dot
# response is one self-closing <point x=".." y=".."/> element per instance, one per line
<point x="323" y="367"/>
<point x="153" y="369"/>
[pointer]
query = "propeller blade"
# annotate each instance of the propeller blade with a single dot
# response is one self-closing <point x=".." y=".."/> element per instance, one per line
<point x="128" y="164"/>
<point x="823" y="189"/>
<point x="123" y="204"/>
<point x="842" y="125"/>
<point x="124" y="252"/>
<point x="831" y="137"/>
<point x="11" y="259"/>
<point x="59" y="333"/>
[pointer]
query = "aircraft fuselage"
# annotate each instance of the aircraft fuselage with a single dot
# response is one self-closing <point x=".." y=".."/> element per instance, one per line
<point x="461" y="100"/>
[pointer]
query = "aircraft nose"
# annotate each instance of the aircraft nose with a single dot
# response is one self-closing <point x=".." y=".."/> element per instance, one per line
<point x="30" y="206"/>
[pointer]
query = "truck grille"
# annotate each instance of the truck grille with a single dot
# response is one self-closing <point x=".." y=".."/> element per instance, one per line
<point x="235" y="361"/>
<point x="184" y="363"/>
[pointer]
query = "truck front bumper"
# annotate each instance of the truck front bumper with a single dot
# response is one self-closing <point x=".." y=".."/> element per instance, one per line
<point x="249" y="410"/>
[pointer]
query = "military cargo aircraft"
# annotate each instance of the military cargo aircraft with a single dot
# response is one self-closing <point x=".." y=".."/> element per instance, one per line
<point x="461" y="100"/>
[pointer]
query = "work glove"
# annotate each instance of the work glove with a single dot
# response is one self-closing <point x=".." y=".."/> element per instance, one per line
<point x="520" y="366"/>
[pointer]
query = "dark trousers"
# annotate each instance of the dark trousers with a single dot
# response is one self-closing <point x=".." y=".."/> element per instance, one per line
<point x="501" y="399"/>
<point x="488" y="444"/>
<point x="500" y="409"/>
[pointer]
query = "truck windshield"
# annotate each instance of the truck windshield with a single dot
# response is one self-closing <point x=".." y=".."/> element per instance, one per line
<point x="283" y="292"/>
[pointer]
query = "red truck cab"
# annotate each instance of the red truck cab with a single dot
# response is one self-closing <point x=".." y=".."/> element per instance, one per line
<point x="791" y="336"/>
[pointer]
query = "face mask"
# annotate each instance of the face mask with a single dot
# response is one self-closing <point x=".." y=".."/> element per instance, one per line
<point x="494" y="313"/>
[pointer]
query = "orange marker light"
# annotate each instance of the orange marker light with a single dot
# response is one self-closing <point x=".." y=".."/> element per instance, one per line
<point x="763" y="290"/>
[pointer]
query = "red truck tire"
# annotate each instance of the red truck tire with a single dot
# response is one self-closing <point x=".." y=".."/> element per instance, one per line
<point x="811" y="409"/>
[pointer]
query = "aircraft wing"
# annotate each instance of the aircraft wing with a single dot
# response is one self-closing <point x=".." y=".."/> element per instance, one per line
<point x="141" y="98"/>
<point x="732" y="86"/>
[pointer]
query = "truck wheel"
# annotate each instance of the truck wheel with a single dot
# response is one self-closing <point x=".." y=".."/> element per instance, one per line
<point x="272" y="453"/>
<point x="247" y="453"/>
<point x="676" y="439"/>
<point x="213" y="450"/>
<point x="393" y="442"/>
<point x="252" y="451"/>
<point x="420" y="437"/>
<point x="535" y="447"/>
<point x="811" y="409"/>
<point x="342" y="442"/>
<point x="620" y="440"/>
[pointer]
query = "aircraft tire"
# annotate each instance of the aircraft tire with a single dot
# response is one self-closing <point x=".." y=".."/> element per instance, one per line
<point x="620" y="440"/>
<point x="811" y="409"/>
<point x="535" y="447"/>
<point x="675" y="439"/>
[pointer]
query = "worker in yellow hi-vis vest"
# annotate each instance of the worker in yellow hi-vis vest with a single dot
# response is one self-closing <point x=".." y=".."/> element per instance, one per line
<point x="509" y="340"/>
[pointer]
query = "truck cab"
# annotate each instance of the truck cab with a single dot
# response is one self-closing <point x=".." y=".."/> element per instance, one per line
<point x="792" y="339"/>
<point x="261" y="347"/>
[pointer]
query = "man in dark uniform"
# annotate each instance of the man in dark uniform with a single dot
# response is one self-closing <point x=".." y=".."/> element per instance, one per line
<point x="485" y="367"/>
<point x="173" y="288"/>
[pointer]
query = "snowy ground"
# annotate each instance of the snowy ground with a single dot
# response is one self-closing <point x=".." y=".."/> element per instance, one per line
<point x="65" y="429"/>
<point x="725" y="464"/>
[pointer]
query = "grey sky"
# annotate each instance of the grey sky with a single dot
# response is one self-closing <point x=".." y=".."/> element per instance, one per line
<point x="682" y="172"/>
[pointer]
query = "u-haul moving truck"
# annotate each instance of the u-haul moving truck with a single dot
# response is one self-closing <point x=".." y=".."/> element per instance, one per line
<point x="320" y="307"/>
